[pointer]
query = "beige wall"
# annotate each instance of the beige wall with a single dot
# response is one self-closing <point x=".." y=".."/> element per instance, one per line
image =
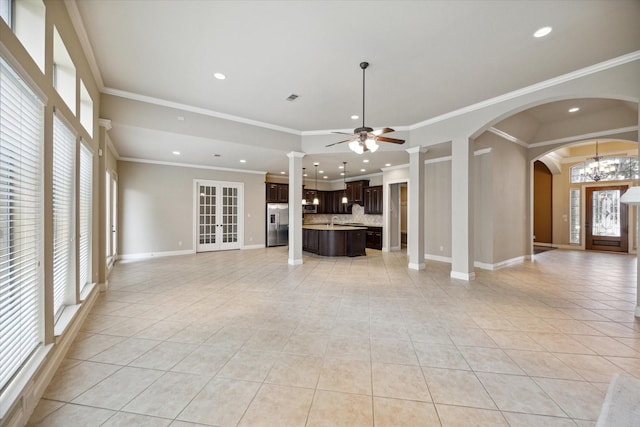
<point x="156" y="205"/>
<point x="437" y="219"/>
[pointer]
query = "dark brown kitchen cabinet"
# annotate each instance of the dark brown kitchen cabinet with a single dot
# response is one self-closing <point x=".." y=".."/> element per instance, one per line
<point x="277" y="193"/>
<point x="374" y="237"/>
<point x="373" y="200"/>
<point x="355" y="191"/>
<point x="310" y="241"/>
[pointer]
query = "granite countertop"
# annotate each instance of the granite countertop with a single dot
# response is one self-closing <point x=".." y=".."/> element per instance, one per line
<point x="332" y="227"/>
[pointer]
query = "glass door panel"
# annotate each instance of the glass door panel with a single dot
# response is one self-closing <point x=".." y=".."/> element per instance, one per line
<point x="606" y="219"/>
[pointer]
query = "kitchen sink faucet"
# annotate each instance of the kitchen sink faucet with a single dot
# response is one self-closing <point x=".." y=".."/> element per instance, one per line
<point x="332" y="218"/>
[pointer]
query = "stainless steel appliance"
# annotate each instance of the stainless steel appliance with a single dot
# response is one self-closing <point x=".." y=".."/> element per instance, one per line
<point x="310" y="208"/>
<point x="277" y="224"/>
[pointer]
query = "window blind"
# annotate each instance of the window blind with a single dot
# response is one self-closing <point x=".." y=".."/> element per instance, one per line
<point x="86" y="194"/>
<point x="64" y="142"/>
<point x="21" y="279"/>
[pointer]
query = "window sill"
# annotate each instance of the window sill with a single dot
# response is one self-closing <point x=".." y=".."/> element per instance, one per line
<point x="65" y="319"/>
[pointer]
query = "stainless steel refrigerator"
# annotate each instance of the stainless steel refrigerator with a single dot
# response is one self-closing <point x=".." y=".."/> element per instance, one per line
<point x="277" y="224"/>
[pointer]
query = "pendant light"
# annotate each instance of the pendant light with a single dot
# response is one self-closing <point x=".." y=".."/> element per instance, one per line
<point x="316" y="201"/>
<point x="304" y="201"/>
<point x="344" y="180"/>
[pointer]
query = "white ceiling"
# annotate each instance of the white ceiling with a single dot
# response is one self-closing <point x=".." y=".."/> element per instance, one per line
<point x="427" y="58"/>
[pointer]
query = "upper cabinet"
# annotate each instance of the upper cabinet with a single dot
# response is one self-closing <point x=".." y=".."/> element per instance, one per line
<point x="355" y="191"/>
<point x="277" y="193"/>
<point x="373" y="200"/>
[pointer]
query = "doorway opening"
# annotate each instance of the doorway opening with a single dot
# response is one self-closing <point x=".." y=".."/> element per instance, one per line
<point x="398" y="224"/>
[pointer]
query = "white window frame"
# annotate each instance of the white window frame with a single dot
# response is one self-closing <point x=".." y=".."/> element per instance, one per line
<point x="85" y="217"/>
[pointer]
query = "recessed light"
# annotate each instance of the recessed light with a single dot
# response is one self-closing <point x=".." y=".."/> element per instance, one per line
<point x="304" y="174"/>
<point x="219" y="76"/>
<point x="316" y="164"/>
<point x="340" y="167"/>
<point x="354" y="117"/>
<point x="341" y="173"/>
<point x="387" y="164"/>
<point x="325" y="177"/>
<point x="574" y="109"/>
<point x="243" y="161"/>
<point x="320" y="171"/>
<point x="363" y="170"/>
<point x="365" y="161"/>
<point x="283" y="173"/>
<point x="176" y="153"/>
<point x="542" y="32"/>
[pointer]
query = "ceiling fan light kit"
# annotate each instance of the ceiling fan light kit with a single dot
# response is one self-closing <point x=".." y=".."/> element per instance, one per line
<point x="365" y="138"/>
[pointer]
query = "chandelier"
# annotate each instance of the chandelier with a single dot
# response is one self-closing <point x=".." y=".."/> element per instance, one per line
<point x="601" y="168"/>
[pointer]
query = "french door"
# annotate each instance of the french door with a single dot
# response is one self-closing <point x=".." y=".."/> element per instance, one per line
<point x="219" y="218"/>
<point x="606" y="219"/>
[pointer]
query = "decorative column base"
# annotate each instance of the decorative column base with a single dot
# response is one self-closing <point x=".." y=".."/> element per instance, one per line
<point x="637" y="311"/>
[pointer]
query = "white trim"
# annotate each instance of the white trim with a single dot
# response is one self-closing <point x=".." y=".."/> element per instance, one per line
<point x="596" y="68"/>
<point x="332" y="131"/>
<point x="293" y="261"/>
<point x="501" y="264"/>
<point x="104" y="123"/>
<point x="463" y="276"/>
<point x="612" y="63"/>
<point x="591" y="135"/>
<point x="417" y="149"/>
<point x="66" y="318"/>
<point x="259" y="246"/>
<point x="81" y="32"/>
<point x="34" y="378"/>
<point x="188" y="165"/>
<point x="147" y="255"/>
<point x="416" y="266"/>
<point x="197" y="110"/>
<point x="438" y="258"/>
<point x="508" y="137"/>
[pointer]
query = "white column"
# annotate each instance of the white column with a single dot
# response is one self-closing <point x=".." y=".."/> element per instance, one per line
<point x="416" y="208"/>
<point x="462" y="238"/>
<point x="295" y="207"/>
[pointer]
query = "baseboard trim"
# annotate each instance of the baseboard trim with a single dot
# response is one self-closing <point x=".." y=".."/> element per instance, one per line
<point x="501" y="264"/>
<point x="146" y="255"/>
<point x="416" y="266"/>
<point x="437" y="258"/>
<point x="27" y="400"/>
<point x="254" y="246"/>
<point x="463" y="276"/>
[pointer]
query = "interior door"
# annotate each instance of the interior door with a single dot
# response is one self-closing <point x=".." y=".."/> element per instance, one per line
<point x="219" y="216"/>
<point x="606" y="219"/>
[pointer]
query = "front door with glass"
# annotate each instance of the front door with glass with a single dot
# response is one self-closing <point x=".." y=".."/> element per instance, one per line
<point x="606" y="219"/>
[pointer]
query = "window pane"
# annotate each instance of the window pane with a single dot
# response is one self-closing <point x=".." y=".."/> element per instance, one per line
<point x="64" y="142"/>
<point x="574" y="213"/>
<point x="21" y="281"/>
<point x="85" y="205"/>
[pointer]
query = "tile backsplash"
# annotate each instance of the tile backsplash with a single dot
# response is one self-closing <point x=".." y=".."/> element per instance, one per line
<point x="357" y="215"/>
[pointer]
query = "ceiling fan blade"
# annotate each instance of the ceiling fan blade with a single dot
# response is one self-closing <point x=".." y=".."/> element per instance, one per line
<point x="342" y="133"/>
<point x="382" y="131"/>
<point x="392" y="140"/>
<point x="339" y="142"/>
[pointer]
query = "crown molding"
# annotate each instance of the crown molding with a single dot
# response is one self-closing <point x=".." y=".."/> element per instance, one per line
<point x="615" y="62"/>
<point x="197" y="110"/>
<point x="189" y="165"/>
<point x="81" y="32"/>
<point x="508" y="137"/>
<point x="591" y="135"/>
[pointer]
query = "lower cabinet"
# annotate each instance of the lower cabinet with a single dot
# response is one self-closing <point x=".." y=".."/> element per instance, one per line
<point x="374" y="237"/>
<point x="310" y="241"/>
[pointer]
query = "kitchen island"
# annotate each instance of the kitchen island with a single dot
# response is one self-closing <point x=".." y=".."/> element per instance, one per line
<point x="334" y="240"/>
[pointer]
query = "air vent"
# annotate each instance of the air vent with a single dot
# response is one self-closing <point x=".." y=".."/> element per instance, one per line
<point x="292" y="97"/>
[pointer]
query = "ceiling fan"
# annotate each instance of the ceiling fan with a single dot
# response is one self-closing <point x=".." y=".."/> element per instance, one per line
<point x="365" y="138"/>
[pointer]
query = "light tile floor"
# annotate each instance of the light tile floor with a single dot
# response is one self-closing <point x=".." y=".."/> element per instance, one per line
<point x="242" y="339"/>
